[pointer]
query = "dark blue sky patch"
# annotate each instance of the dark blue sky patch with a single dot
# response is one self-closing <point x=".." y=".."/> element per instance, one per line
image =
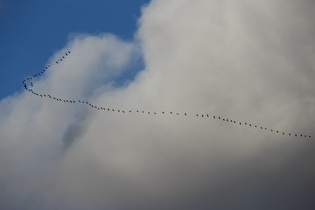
<point x="32" y="31"/>
<point x="131" y="71"/>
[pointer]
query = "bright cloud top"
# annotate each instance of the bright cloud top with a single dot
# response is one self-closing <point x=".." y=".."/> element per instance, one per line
<point x="247" y="60"/>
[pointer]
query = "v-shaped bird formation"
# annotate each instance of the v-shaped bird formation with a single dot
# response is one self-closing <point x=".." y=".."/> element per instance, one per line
<point x="29" y="86"/>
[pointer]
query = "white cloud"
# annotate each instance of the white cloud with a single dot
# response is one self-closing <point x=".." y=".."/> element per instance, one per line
<point x="245" y="60"/>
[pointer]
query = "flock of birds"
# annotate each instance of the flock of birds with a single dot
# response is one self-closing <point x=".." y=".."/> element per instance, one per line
<point x="28" y="85"/>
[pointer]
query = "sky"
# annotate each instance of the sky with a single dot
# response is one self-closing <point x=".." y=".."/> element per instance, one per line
<point x="244" y="60"/>
<point x="31" y="31"/>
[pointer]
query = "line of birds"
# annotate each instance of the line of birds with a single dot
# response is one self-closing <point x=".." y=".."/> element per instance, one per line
<point x="28" y="85"/>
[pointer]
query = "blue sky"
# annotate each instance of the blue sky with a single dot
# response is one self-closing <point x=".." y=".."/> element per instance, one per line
<point x="31" y="31"/>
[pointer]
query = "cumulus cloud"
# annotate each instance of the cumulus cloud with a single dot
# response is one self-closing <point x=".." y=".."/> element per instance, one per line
<point x="246" y="60"/>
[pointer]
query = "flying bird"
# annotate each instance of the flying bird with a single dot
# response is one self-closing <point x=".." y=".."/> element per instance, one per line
<point x="148" y="112"/>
